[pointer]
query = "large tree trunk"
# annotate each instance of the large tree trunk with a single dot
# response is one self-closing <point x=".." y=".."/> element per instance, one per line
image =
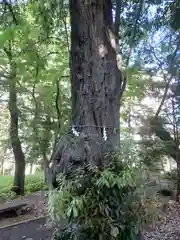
<point x="96" y="85"/>
<point x="178" y="181"/>
<point x="19" y="175"/>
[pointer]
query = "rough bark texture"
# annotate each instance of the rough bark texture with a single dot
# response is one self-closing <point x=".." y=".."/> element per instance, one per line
<point x="19" y="174"/>
<point x="178" y="181"/>
<point x="96" y="85"/>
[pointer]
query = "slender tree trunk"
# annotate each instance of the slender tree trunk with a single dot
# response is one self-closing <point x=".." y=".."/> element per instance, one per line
<point x="45" y="166"/>
<point x="2" y="165"/>
<point x="31" y="168"/>
<point x="19" y="175"/>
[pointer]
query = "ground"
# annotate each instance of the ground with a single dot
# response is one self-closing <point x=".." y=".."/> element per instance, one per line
<point x="34" y="230"/>
<point x="39" y="228"/>
<point x="169" y="227"/>
<point x="36" y="209"/>
<point x="33" y="225"/>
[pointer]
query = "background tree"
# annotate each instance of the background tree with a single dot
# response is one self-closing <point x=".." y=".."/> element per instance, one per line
<point x="37" y="129"/>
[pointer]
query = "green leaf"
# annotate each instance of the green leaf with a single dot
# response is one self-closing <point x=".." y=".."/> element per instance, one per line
<point x="75" y="212"/>
<point x="6" y="35"/>
<point x="69" y="212"/>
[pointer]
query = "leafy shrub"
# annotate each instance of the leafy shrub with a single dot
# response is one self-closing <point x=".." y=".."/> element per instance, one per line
<point x="5" y="186"/>
<point x="171" y="176"/>
<point x="33" y="183"/>
<point x="6" y="194"/>
<point x="100" y="202"/>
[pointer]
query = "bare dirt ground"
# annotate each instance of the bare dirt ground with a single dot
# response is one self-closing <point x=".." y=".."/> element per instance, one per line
<point x="35" y="209"/>
<point x="169" y="226"/>
<point x="39" y="229"/>
<point x="32" y="225"/>
<point x="33" y="230"/>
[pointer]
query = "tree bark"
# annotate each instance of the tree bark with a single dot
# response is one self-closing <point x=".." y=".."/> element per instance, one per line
<point x="31" y="168"/>
<point x="178" y="181"/>
<point x="95" y="79"/>
<point x="96" y="84"/>
<point x="19" y="175"/>
<point x="45" y="165"/>
<point x="2" y="164"/>
<point x="96" y="88"/>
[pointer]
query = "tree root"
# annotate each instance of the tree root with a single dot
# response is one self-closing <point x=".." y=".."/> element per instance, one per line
<point x="77" y="152"/>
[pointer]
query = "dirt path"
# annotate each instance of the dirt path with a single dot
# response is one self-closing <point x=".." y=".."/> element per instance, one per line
<point x="32" y="225"/>
<point x="33" y="230"/>
<point x="38" y="230"/>
<point x="35" y="208"/>
<point x="168" y="228"/>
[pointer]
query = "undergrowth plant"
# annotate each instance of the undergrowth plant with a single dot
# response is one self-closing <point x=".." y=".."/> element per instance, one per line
<point x="171" y="177"/>
<point x="100" y="202"/>
<point x="33" y="183"/>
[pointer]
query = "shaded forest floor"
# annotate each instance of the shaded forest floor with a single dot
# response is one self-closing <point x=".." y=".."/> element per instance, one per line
<point x="33" y="225"/>
<point x="32" y="230"/>
<point x="166" y="229"/>
<point x="35" y="208"/>
<point x="33" y="183"/>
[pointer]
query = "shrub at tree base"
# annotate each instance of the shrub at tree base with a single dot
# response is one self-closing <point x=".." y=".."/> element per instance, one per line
<point x="100" y="203"/>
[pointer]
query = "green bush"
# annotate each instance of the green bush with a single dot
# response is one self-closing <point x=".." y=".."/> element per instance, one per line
<point x="5" y="186"/>
<point x="6" y="194"/>
<point x="100" y="203"/>
<point x="171" y="176"/>
<point x="33" y="183"/>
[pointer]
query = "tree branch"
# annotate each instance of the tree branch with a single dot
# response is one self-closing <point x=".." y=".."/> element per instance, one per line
<point x="66" y="34"/>
<point x="138" y="14"/>
<point x="165" y="136"/>
<point x="57" y="102"/>
<point x="117" y="17"/>
<point x="170" y="69"/>
<point x="163" y="98"/>
<point x="11" y="11"/>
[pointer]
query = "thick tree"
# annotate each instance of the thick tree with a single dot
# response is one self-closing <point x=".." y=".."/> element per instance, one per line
<point x="96" y="85"/>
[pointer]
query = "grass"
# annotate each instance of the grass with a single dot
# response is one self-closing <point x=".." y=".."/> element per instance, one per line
<point x="33" y="183"/>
